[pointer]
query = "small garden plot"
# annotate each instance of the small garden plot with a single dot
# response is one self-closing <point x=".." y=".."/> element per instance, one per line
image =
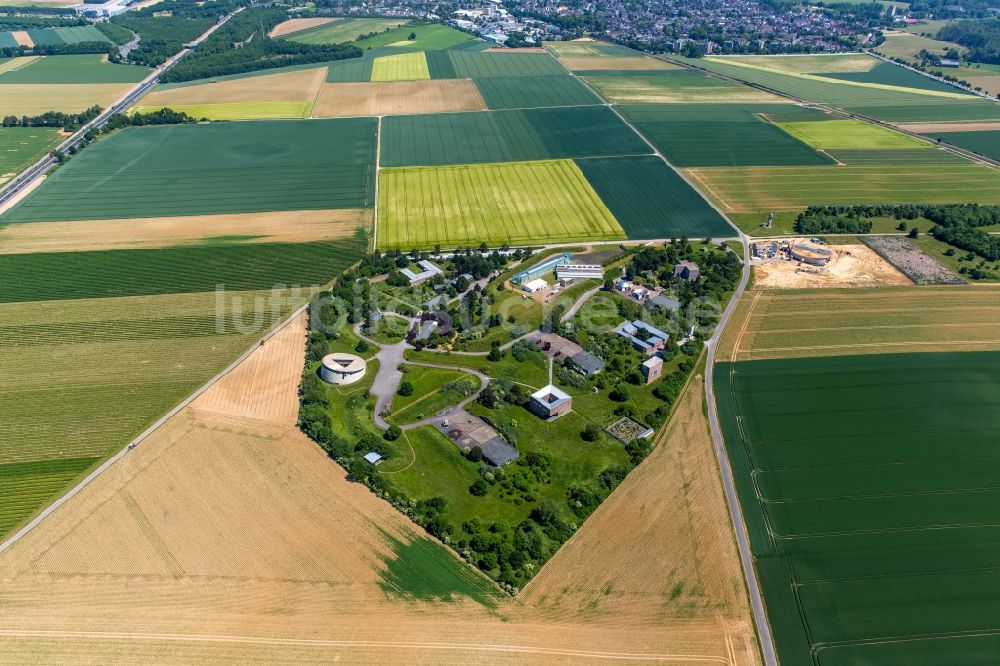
<point x="402" y="67"/>
<point x="514" y="203"/>
<point x="626" y="430"/>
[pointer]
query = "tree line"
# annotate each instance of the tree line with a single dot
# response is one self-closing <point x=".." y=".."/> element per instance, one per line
<point x="980" y="37"/>
<point x="243" y="45"/>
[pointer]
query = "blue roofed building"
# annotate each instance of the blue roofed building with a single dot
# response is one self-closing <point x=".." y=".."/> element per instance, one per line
<point x="644" y="337"/>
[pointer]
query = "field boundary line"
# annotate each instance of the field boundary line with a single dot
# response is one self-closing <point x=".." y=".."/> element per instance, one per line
<point x="378" y="168"/>
<point x="607" y="103"/>
<point x="47" y="511"/>
<point x="412" y="645"/>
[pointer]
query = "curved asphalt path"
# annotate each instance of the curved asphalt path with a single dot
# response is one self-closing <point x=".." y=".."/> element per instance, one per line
<point x="732" y="499"/>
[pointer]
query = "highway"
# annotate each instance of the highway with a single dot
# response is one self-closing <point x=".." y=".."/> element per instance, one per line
<point x="39" y="168"/>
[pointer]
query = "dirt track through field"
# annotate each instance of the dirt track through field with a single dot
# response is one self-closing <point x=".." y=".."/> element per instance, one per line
<point x="298" y="86"/>
<point x="387" y="98"/>
<point x="228" y="535"/>
<point x="301" y="226"/>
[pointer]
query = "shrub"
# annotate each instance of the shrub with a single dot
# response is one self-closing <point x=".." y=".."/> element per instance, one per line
<point x="393" y="433"/>
<point x="405" y="389"/>
<point x="591" y="433"/>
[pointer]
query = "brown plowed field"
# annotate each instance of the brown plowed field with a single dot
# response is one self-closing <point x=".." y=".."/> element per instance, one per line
<point x="300" y="226"/>
<point x="228" y="536"/>
<point x="833" y="322"/>
<point x="32" y="99"/>
<point x="22" y="38"/>
<point x="387" y="98"/>
<point x="296" y="24"/>
<point x="298" y="86"/>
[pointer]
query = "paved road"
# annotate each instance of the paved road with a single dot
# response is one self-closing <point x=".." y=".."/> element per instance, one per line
<point x="39" y="168"/>
<point x="732" y="499"/>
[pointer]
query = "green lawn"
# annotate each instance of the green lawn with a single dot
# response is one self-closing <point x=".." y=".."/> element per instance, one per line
<point x="784" y="224"/>
<point x="515" y="203"/>
<point x="532" y="372"/>
<point x="425" y="381"/>
<point x="20" y="147"/>
<point x="956" y="260"/>
<point x="212" y="168"/>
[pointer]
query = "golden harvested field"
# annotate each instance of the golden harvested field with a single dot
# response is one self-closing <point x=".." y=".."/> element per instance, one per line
<point x="398" y="97"/>
<point x="298" y="86"/>
<point x="228" y="536"/>
<point x="301" y="226"/>
<point x="852" y="266"/>
<point x="296" y="24"/>
<point x="605" y="63"/>
<point x="660" y="549"/>
<point x="833" y="322"/>
<point x="31" y="99"/>
<point x="16" y="63"/>
<point x="812" y="64"/>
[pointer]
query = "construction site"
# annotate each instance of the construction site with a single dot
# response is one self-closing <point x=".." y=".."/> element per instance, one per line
<point x="798" y="263"/>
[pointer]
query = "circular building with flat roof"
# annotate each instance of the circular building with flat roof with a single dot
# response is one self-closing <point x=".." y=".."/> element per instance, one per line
<point x="810" y="253"/>
<point x="342" y="368"/>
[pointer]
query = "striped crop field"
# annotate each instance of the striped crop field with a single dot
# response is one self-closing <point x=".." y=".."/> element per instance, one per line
<point x="111" y="366"/>
<point x="514" y="202"/>
<point x="827" y="322"/>
<point x="850" y="135"/>
<point x="868" y="488"/>
<point x="402" y="67"/>
<point x="742" y="190"/>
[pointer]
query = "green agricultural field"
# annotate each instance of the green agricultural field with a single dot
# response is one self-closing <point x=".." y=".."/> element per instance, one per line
<point x="212" y="168"/>
<point x="353" y="70"/>
<point x="431" y="36"/>
<point x="868" y="485"/>
<point x="672" y="86"/>
<point x="851" y="135"/>
<point x="650" y="200"/>
<point x="721" y="135"/>
<point x="401" y="67"/>
<point x="74" y="69"/>
<point x="239" y="110"/>
<point x="896" y="156"/>
<point x="522" y="92"/>
<point x="809" y="64"/>
<point x="515" y="203"/>
<point x="500" y="136"/>
<point x="132" y="360"/>
<point x="882" y="101"/>
<point x="71" y="275"/>
<point x="788" y="188"/>
<point x="479" y="65"/>
<point x="71" y="35"/>
<point x="20" y="147"/>
<point x="985" y="143"/>
<point x="345" y="30"/>
<point x="894" y="75"/>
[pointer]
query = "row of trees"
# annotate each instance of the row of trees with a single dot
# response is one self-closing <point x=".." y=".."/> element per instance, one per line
<point x="68" y="121"/>
<point x="980" y="37"/>
<point x="243" y="45"/>
<point x="79" y="48"/>
<point x="20" y="22"/>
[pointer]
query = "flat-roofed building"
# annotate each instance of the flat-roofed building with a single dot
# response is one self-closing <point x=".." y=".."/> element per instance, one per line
<point x="579" y="272"/>
<point x="652" y="368"/>
<point x="550" y="402"/>
<point x="644" y="337"/>
<point x="428" y="270"/>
